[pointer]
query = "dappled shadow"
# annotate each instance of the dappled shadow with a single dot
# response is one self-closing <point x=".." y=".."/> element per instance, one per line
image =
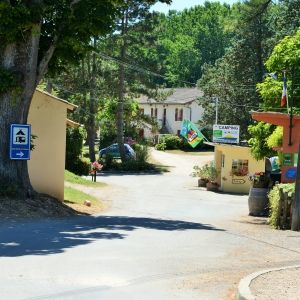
<point x="52" y="236"/>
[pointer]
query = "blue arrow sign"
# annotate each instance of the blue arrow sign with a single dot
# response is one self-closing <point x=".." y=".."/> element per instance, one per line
<point x="19" y="147"/>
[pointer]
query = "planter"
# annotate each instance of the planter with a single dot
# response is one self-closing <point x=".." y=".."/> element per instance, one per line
<point x="258" y="202"/>
<point x="202" y="182"/>
<point x="212" y="186"/>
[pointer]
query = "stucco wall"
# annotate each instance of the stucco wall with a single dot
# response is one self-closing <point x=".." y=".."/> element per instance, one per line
<point x="235" y="184"/>
<point x="46" y="166"/>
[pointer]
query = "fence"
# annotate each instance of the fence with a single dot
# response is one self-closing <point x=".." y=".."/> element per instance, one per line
<point x="285" y="209"/>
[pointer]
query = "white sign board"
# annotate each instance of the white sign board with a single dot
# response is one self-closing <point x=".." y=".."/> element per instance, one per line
<point x="228" y="134"/>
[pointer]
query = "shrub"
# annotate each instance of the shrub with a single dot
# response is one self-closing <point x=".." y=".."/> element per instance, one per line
<point x="173" y="142"/>
<point x="74" y="145"/>
<point x="142" y="153"/>
<point x="80" y="167"/>
<point x="160" y="146"/>
<point x="107" y="161"/>
<point x="274" y="199"/>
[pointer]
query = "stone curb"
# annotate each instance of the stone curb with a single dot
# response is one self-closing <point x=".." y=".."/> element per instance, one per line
<point x="244" y="292"/>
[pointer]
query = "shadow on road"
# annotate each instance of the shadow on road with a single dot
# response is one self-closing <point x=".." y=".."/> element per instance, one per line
<point x="54" y="236"/>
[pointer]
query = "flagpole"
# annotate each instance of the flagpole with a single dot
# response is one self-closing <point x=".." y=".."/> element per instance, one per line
<point x="287" y="96"/>
<point x="291" y="107"/>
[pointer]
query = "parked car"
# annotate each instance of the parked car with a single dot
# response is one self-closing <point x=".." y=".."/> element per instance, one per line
<point x="113" y="150"/>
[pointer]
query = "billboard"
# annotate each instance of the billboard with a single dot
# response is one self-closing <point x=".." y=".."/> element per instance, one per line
<point x="229" y="134"/>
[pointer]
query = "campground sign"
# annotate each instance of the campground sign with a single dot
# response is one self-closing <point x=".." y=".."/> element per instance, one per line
<point x="228" y="134"/>
<point x="19" y="142"/>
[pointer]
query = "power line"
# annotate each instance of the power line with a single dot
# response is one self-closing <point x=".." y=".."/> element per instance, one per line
<point x="140" y="69"/>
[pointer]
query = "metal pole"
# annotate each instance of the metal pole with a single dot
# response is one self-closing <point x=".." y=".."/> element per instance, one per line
<point x="217" y="103"/>
<point x="291" y="108"/>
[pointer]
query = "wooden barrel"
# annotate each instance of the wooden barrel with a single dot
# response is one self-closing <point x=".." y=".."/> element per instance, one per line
<point x="258" y="202"/>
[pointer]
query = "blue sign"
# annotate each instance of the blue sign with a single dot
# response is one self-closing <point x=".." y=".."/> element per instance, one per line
<point x="19" y="147"/>
<point x="291" y="173"/>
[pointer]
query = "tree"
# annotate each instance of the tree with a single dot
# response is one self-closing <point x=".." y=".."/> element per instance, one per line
<point x="233" y="78"/>
<point x="36" y="37"/>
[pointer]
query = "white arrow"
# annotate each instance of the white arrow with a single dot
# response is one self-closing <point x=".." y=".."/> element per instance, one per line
<point x="21" y="154"/>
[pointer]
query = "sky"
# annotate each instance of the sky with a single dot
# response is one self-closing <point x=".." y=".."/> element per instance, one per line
<point x="182" y="4"/>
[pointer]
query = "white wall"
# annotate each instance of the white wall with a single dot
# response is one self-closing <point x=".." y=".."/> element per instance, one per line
<point x="193" y="110"/>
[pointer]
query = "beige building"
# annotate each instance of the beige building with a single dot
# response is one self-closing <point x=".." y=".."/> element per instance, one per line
<point x="235" y="163"/>
<point x="48" y="119"/>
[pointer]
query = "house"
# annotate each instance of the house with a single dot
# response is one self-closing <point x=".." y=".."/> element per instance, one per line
<point x="235" y="163"/>
<point x="48" y="119"/>
<point x="169" y="113"/>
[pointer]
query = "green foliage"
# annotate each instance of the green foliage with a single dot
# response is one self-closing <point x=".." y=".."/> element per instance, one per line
<point x="73" y="178"/>
<point x="172" y="142"/>
<point x="275" y="139"/>
<point x="274" y="198"/>
<point x="141" y="152"/>
<point x="285" y="56"/>
<point x="258" y="141"/>
<point x="208" y="172"/>
<point x="74" y="144"/>
<point x="160" y="146"/>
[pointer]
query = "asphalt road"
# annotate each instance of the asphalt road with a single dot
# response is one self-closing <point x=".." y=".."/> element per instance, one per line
<point x="162" y="238"/>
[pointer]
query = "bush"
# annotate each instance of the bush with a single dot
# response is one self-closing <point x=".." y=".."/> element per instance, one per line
<point x="274" y="198"/>
<point x="74" y="145"/>
<point x="80" y="167"/>
<point x="173" y="142"/>
<point x="160" y="146"/>
<point x="142" y="153"/>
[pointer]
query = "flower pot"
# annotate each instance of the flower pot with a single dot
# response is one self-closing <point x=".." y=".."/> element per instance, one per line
<point x="212" y="186"/>
<point x="202" y="182"/>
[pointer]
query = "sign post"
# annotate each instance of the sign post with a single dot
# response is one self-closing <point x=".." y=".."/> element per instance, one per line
<point x="19" y="146"/>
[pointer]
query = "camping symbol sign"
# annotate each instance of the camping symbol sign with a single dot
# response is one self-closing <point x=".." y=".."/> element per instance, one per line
<point x="19" y="141"/>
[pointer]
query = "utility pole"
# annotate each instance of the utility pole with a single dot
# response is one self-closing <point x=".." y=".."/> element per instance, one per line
<point x="217" y="107"/>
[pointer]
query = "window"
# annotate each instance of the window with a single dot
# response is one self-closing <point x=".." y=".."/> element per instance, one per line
<point x="180" y="114"/>
<point x="154" y="113"/>
<point x="239" y="167"/>
<point x="142" y="111"/>
<point x="222" y="160"/>
<point x="178" y="132"/>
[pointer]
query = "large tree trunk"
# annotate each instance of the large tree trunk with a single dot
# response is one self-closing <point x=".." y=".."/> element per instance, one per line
<point x="121" y="90"/>
<point x="20" y="58"/>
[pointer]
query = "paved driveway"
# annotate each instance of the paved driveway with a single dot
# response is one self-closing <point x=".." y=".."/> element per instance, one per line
<point x="162" y="238"/>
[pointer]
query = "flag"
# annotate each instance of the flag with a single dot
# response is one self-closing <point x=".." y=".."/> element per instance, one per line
<point x="284" y="95"/>
<point x="191" y="133"/>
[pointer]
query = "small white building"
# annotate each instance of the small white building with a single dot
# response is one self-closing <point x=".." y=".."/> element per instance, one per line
<point x="181" y="105"/>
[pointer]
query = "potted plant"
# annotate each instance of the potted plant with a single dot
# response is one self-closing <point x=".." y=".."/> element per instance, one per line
<point x="202" y="174"/>
<point x="212" y="175"/>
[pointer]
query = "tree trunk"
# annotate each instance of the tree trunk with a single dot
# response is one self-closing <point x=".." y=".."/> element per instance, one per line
<point x="121" y="91"/>
<point x="20" y="58"/>
<point x="296" y="205"/>
<point x="92" y="109"/>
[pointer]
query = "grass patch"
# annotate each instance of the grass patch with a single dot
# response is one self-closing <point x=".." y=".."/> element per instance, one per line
<point x="75" y="199"/>
<point x="71" y="177"/>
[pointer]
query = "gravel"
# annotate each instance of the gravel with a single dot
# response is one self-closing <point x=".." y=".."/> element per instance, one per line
<point x="279" y="285"/>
